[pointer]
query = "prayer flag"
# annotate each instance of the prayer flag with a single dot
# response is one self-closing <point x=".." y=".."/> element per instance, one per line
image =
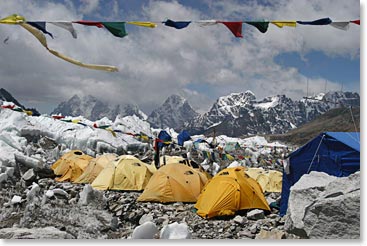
<point x="343" y="25"/>
<point x="141" y="23"/>
<point x="234" y="27"/>
<point x="116" y="28"/>
<point x="40" y="25"/>
<point x="66" y="25"/>
<point x="177" y="24"/>
<point x="358" y="22"/>
<point x="324" y="21"/>
<point x="262" y="26"/>
<point x="281" y="24"/>
<point x="89" y="23"/>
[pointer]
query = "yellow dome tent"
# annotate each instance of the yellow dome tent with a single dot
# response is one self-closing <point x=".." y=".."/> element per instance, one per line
<point x="174" y="183"/>
<point x="124" y="173"/>
<point x="270" y="180"/>
<point x="71" y="165"/>
<point x="95" y="166"/>
<point x="229" y="191"/>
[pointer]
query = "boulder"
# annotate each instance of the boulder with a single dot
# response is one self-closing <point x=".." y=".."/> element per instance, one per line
<point x="9" y="171"/>
<point x="29" y="176"/>
<point x="3" y="177"/>
<point x="145" y="231"/>
<point x="239" y="220"/>
<point x="34" y="233"/>
<point x="175" y="231"/>
<point x="33" y="192"/>
<point x="273" y="234"/>
<point x="49" y="193"/>
<point x="145" y="218"/>
<point x="86" y="195"/>
<point x="255" y="214"/>
<point x="16" y="199"/>
<point x="328" y="209"/>
<point x="60" y="192"/>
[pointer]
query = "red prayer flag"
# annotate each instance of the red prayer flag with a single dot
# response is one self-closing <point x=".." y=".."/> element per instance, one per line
<point x="58" y="117"/>
<point x="90" y="23"/>
<point x="8" y="106"/>
<point x="235" y="27"/>
<point x="358" y="22"/>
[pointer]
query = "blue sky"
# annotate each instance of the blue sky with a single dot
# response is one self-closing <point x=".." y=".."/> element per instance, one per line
<point x="198" y="63"/>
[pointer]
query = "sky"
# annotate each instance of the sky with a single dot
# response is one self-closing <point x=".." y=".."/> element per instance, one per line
<point x="198" y="63"/>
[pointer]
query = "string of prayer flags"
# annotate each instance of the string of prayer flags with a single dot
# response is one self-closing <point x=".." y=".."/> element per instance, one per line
<point x="65" y="25"/>
<point x="262" y="26"/>
<point x="323" y="21"/>
<point x="281" y="24"/>
<point x="234" y="26"/>
<point x="177" y="24"/>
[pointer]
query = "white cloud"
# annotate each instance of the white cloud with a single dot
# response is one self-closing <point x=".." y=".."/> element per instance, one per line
<point x="155" y="63"/>
<point x="88" y="6"/>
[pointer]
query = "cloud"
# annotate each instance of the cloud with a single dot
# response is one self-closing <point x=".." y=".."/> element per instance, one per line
<point x="155" y="63"/>
<point x="88" y="6"/>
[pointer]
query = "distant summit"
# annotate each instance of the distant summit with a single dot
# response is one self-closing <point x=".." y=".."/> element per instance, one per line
<point x="240" y="114"/>
<point x="6" y="96"/>
<point x="173" y="113"/>
<point x="92" y="108"/>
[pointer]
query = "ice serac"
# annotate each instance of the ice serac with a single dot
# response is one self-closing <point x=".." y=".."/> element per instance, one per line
<point x="173" y="113"/>
<point x="241" y="114"/>
<point x="92" y="108"/>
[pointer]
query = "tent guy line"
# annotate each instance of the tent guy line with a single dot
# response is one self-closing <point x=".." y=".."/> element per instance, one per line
<point x="118" y="29"/>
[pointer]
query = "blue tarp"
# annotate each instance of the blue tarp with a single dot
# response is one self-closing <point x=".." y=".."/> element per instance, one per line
<point x="336" y="153"/>
<point x="165" y="137"/>
<point x="182" y="137"/>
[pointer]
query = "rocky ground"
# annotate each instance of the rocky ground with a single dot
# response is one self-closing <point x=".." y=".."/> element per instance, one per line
<point x="43" y="208"/>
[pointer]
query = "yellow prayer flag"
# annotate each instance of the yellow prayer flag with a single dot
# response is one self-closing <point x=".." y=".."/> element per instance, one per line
<point x="144" y="24"/>
<point x="280" y="24"/>
<point x="13" y="19"/>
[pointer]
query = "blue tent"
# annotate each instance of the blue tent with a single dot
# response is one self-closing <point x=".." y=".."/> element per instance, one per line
<point x="182" y="137"/>
<point x="334" y="153"/>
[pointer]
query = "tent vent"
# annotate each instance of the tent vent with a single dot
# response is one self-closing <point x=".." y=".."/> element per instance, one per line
<point x="189" y="173"/>
<point x="78" y="153"/>
<point x="224" y="173"/>
<point x="137" y="164"/>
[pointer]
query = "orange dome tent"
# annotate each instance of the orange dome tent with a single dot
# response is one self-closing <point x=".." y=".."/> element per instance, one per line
<point x="174" y="183"/>
<point x="71" y="165"/>
<point x="229" y="191"/>
<point x="95" y="166"/>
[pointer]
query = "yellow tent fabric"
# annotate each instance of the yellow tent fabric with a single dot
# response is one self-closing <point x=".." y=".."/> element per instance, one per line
<point x="174" y="183"/>
<point x="270" y="180"/>
<point x="95" y="166"/>
<point x="229" y="191"/>
<point x="71" y="165"/>
<point x="170" y="160"/>
<point x="124" y="173"/>
<point x="281" y="24"/>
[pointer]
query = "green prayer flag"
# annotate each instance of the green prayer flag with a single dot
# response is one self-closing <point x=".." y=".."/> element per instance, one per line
<point x="116" y="28"/>
<point x="262" y="26"/>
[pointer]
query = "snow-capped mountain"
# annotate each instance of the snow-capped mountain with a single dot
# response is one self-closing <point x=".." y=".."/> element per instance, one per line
<point x="94" y="109"/>
<point x="241" y="114"/>
<point x="7" y="97"/>
<point x="173" y="113"/>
